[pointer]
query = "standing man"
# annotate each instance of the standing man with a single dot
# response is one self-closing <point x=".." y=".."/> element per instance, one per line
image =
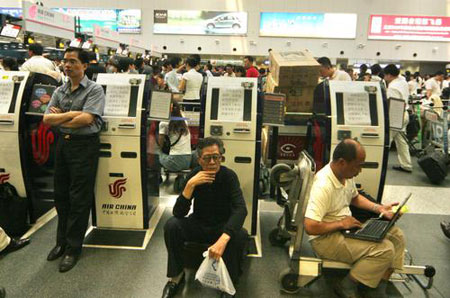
<point x="76" y="109"/>
<point x="327" y="70"/>
<point x="251" y="72"/>
<point x="94" y="67"/>
<point x="171" y="77"/>
<point x="328" y="213"/>
<point x="399" y="88"/>
<point x="433" y="85"/>
<point x="38" y="63"/>
<point x="219" y="213"/>
<point x="229" y="71"/>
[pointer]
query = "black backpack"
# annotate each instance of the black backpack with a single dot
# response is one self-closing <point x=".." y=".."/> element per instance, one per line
<point x="413" y="127"/>
<point x="13" y="211"/>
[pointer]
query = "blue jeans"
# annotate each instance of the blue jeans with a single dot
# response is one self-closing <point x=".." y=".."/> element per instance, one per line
<point x="175" y="163"/>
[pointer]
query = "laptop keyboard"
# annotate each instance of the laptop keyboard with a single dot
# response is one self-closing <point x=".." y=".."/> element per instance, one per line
<point x="374" y="228"/>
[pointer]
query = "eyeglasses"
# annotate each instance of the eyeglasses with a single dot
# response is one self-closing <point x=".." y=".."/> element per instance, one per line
<point x="208" y="158"/>
<point x="70" y="61"/>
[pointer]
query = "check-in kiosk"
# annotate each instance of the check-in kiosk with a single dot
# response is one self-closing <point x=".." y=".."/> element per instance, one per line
<point x="232" y="113"/>
<point x="121" y="197"/>
<point x="359" y="110"/>
<point x="12" y="87"/>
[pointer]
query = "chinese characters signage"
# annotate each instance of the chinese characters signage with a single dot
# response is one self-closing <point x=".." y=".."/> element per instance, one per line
<point x="398" y="27"/>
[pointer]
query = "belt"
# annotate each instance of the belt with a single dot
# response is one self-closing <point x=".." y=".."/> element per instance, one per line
<point x="68" y="137"/>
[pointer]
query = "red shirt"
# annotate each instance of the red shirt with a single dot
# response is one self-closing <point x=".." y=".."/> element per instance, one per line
<point x="252" y="72"/>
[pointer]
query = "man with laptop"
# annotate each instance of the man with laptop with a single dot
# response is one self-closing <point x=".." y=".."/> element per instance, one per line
<point x="328" y="220"/>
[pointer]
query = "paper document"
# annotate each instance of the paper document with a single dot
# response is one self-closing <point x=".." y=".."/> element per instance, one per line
<point x="357" y="108"/>
<point x="160" y="105"/>
<point x="117" y="100"/>
<point x="396" y="113"/>
<point x="231" y="104"/>
<point x="6" y="93"/>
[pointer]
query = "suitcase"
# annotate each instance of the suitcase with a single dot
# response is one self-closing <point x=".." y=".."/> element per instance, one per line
<point x="434" y="164"/>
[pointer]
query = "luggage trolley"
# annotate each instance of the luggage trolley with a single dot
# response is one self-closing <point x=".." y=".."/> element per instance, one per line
<point x="303" y="270"/>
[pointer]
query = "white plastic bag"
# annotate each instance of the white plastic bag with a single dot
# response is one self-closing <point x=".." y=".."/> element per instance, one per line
<point x="214" y="274"/>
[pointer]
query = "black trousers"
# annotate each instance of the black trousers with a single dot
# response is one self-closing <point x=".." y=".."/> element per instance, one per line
<point x="179" y="230"/>
<point x="76" y="164"/>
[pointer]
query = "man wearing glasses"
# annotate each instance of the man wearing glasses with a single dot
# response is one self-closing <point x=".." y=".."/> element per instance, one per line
<point x="76" y="110"/>
<point x="219" y="213"/>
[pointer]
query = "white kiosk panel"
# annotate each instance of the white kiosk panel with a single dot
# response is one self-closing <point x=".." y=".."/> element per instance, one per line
<point x="358" y="111"/>
<point x="119" y="201"/>
<point x="12" y="86"/>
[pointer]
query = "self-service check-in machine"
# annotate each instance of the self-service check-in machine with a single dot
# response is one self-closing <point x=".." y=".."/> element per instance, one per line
<point x="122" y="204"/>
<point x="12" y="87"/>
<point x="232" y="114"/>
<point x="359" y="110"/>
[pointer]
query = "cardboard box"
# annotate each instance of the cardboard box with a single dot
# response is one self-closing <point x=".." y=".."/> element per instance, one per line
<point x="298" y="98"/>
<point x="294" y="68"/>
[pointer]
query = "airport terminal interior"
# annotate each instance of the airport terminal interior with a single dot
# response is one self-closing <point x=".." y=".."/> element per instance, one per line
<point x="224" y="148"/>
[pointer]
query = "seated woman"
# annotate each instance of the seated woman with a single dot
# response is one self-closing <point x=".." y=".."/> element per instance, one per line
<point x="177" y="133"/>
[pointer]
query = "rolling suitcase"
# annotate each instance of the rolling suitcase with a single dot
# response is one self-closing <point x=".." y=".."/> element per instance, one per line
<point x="434" y="164"/>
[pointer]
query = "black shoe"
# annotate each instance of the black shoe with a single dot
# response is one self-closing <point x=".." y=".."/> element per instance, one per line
<point x="171" y="288"/>
<point x="226" y="295"/>
<point x="68" y="262"/>
<point x="56" y="252"/>
<point x="445" y="226"/>
<point x="399" y="168"/>
<point x="2" y="292"/>
<point x="15" y="244"/>
<point x="346" y="293"/>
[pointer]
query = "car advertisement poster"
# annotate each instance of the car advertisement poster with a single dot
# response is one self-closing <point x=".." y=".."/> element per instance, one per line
<point x="199" y="22"/>
<point x="309" y="25"/>
<point x="121" y="20"/>
<point x="400" y="27"/>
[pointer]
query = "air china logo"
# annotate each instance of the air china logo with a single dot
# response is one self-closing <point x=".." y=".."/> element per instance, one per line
<point x="4" y="178"/>
<point x="41" y="139"/>
<point x="117" y="188"/>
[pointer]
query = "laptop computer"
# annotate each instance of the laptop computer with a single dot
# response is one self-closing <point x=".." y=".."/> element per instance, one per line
<point x="375" y="229"/>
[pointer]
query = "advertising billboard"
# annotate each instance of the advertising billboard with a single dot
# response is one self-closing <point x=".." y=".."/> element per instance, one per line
<point x="199" y="22"/>
<point x="308" y="25"/>
<point x="400" y="27"/>
<point x="12" y="11"/>
<point x="121" y="20"/>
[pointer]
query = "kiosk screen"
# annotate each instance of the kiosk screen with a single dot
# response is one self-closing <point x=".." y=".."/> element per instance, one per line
<point x="356" y="108"/>
<point x="40" y="98"/>
<point x="231" y="104"/>
<point x="6" y="97"/>
<point x="121" y="100"/>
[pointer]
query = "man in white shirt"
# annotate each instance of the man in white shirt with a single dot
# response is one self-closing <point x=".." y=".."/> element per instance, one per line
<point x="38" y="63"/>
<point x="327" y="70"/>
<point x="229" y="71"/>
<point x="328" y="213"/>
<point x="433" y="85"/>
<point x="207" y="68"/>
<point x="398" y="88"/>
<point x="171" y="76"/>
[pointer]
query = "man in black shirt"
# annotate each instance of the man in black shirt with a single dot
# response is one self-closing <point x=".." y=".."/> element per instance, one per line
<point x="219" y="213"/>
<point x="94" y="67"/>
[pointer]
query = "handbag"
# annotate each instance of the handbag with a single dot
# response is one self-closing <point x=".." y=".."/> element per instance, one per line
<point x="13" y="211"/>
<point x="167" y="145"/>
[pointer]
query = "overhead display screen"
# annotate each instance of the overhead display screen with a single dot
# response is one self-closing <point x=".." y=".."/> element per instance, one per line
<point x="199" y="22"/>
<point x="399" y="27"/>
<point x="309" y="25"/>
<point x="10" y="30"/>
<point x="121" y="20"/>
<point x="12" y="11"/>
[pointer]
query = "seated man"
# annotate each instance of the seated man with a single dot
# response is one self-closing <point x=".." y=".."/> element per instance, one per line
<point x="219" y="213"/>
<point x="8" y="245"/>
<point x="328" y="212"/>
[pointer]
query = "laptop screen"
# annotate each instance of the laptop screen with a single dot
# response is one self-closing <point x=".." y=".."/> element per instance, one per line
<point x="397" y="213"/>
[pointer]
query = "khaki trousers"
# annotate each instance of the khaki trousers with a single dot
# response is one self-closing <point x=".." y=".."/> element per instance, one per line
<point x="369" y="260"/>
<point x="4" y="240"/>
<point x="404" y="158"/>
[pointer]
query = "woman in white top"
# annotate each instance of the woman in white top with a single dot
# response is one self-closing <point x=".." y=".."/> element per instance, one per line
<point x="191" y="82"/>
<point x="179" y="157"/>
